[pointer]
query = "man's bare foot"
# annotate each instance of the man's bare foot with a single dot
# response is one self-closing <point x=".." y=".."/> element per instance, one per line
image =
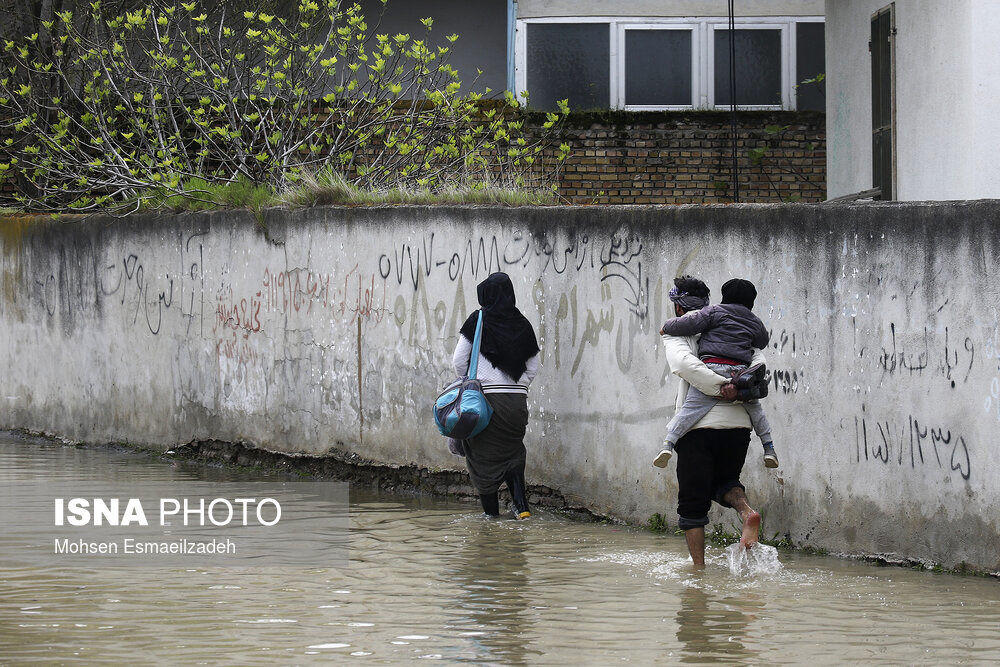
<point x="751" y="529"/>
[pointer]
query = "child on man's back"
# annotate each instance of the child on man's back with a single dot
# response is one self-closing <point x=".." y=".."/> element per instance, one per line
<point x="729" y="332"/>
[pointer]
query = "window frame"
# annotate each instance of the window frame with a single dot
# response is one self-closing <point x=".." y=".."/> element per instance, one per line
<point x="703" y="55"/>
<point x="787" y="76"/>
<point x="696" y="34"/>
<point x="521" y="50"/>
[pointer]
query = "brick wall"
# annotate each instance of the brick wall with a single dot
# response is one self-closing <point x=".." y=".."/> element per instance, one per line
<point x="670" y="157"/>
<point x="685" y="157"/>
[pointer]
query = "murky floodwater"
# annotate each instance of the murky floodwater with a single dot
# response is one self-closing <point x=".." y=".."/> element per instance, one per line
<point x="432" y="579"/>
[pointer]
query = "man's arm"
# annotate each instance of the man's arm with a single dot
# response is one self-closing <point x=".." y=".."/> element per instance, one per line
<point x="685" y="364"/>
<point x="695" y="322"/>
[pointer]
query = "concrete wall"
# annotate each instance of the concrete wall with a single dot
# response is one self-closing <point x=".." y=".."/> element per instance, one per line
<point x="333" y="330"/>
<point x="540" y="8"/>
<point x="946" y="96"/>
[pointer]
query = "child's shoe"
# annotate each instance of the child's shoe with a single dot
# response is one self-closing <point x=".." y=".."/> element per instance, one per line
<point x="751" y="377"/>
<point x="770" y="458"/>
<point x="754" y="393"/>
<point x="663" y="458"/>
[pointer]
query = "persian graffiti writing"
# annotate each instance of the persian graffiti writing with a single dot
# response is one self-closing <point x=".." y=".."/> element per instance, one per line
<point x="616" y="257"/>
<point x="941" y="354"/>
<point x="347" y="294"/>
<point x="911" y="442"/>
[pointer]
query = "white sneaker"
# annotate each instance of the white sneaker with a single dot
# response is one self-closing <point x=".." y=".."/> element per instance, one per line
<point x="663" y="458"/>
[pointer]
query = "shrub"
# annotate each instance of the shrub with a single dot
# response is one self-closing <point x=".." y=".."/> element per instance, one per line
<point x="168" y="99"/>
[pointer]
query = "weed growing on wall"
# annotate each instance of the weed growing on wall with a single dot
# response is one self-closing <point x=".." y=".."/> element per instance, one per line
<point x="120" y="110"/>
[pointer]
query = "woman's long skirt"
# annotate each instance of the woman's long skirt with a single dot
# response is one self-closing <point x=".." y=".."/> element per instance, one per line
<point x="499" y="449"/>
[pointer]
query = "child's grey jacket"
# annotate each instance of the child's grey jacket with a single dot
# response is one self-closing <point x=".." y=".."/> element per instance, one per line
<point x="729" y="330"/>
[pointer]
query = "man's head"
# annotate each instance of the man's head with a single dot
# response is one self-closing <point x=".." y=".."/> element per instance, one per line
<point x="688" y="293"/>
<point x="739" y="291"/>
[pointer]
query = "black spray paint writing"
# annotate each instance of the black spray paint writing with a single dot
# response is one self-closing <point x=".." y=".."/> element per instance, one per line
<point x="616" y="257"/>
<point x="913" y="441"/>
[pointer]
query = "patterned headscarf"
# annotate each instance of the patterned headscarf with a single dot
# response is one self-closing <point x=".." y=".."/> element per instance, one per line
<point x="687" y="301"/>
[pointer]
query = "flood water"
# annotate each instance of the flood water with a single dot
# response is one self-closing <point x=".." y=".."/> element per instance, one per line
<point x="433" y="579"/>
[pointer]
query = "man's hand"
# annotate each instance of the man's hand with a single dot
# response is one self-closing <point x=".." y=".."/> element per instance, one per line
<point x="727" y="391"/>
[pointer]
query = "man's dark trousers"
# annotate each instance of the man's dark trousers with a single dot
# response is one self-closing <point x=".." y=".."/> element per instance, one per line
<point x="709" y="463"/>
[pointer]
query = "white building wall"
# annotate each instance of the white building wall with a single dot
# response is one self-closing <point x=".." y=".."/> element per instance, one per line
<point x="985" y="28"/>
<point x="946" y="97"/>
<point x="543" y="8"/>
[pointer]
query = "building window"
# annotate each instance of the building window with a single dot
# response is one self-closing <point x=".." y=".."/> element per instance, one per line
<point x="668" y="63"/>
<point x="658" y="69"/>
<point x="759" y="59"/>
<point x="810" y="65"/>
<point x="568" y="60"/>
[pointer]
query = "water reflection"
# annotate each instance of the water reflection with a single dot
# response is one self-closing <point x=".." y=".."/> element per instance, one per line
<point x="710" y="627"/>
<point x="491" y="569"/>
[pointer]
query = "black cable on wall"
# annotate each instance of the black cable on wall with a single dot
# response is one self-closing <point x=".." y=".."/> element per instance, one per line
<point x="732" y="100"/>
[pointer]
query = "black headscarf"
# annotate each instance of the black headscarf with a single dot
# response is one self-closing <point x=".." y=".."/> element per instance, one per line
<point x="508" y="339"/>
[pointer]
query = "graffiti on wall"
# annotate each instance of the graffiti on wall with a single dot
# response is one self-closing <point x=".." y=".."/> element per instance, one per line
<point x="596" y="306"/>
<point x="911" y="442"/>
<point x="616" y="257"/>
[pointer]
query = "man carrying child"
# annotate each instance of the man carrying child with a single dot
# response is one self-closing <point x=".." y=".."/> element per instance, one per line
<point x="709" y="435"/>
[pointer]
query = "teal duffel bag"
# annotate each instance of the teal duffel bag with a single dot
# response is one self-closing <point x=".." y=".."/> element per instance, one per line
<point x="461" y="410"/>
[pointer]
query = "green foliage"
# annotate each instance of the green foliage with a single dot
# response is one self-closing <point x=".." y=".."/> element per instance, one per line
<point x="326" y="188"/>
<point x="657" y="523"/>
<point x="166" y="100"/>
<point x="329" y="187"/>
<point x="197" y="194"/>
<point x="757" y="155"/>
<point x="778" y="541"/>
<point x="721" y="537"/>
<point x="819" y="78"/>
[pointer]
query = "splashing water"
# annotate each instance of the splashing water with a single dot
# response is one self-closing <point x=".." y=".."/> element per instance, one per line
<point x="761" y="559"/>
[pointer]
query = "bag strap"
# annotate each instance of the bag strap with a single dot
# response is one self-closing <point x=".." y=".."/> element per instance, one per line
<point x="474" y="355"/>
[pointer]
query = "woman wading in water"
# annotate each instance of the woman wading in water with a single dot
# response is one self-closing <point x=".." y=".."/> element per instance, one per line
<point x="508" y="361"/>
